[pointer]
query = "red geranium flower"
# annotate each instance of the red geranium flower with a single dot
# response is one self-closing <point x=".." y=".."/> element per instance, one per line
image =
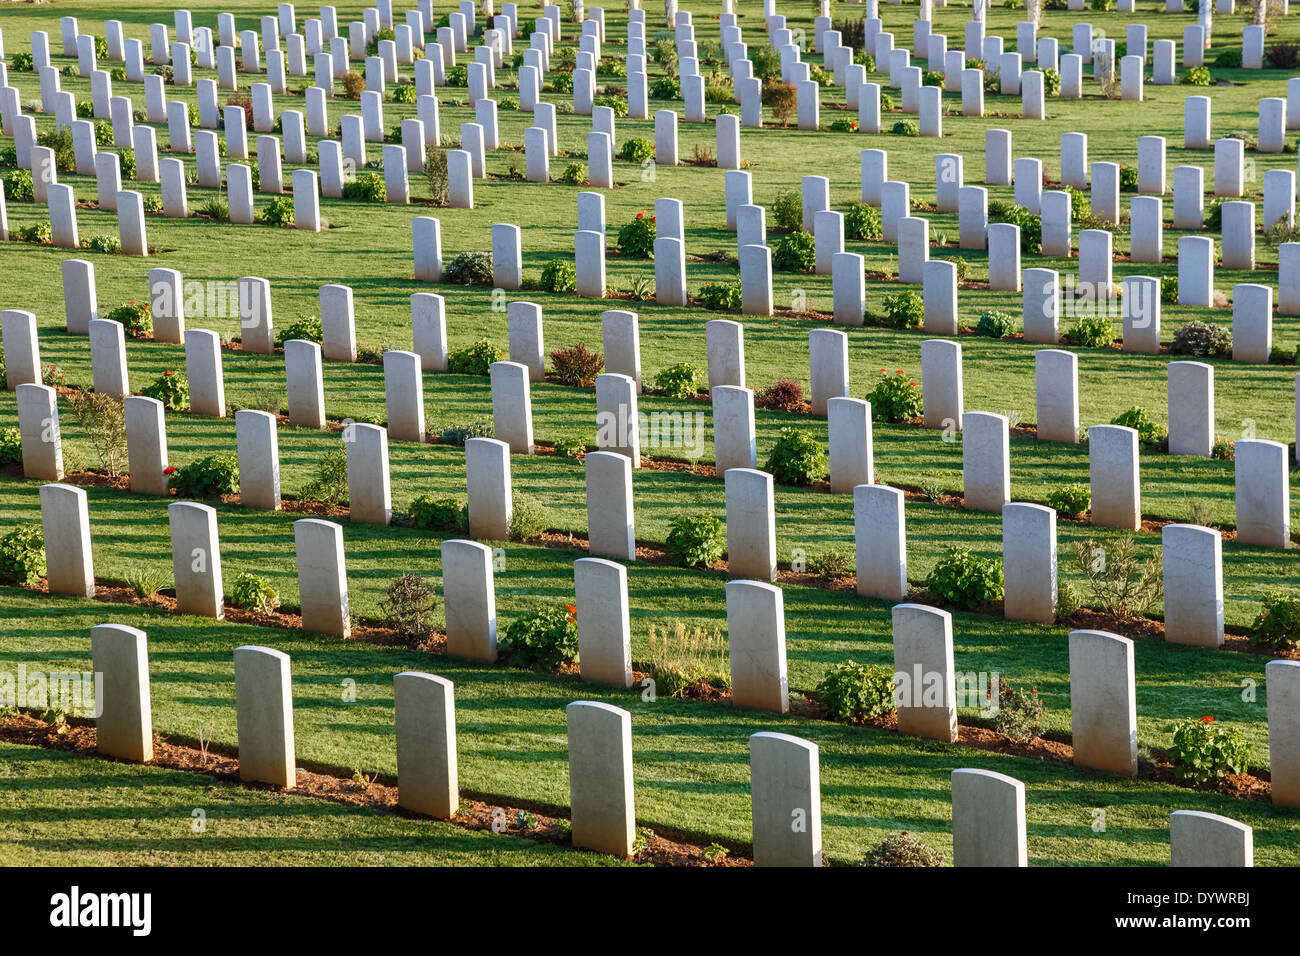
<point x="1207" y="719"/>
<point x="169" y="469"/>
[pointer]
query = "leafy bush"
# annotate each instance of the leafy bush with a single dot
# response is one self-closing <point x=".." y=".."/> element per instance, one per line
<point x="1228" y="59"/>
<point x="1224" y="449"/>
<point x="330" y="483"/>
<point x="997" y="325"/>
<point x="574" y="174"/>
<point x="250" y="592"/>
<point x="1020" y="715"/>
<point x="786" y="395"/>
<point x="1197" y="76"/>
<point x="469" y="268"/>
<point x="213" y="208"/>
<point x="1149" y="431"/>
<point x="409" y="609"/>
<point x="904" y="310"/>
<point x="857" y="693"/>
<point x="577" y="366"/>
<point x="39" y="233"/>
<point x="171" y="389"/>
<point x="797" y="458"/>
<point x="636" y="239"/>
<point x="459" y="434"/>
<point x="103" y="421"/>
<point x="528" y="517"/>
<point x="307" y="329"/>
<point x="22" y="556"/>
<point x="679" y="381"/>
<point x="1278" y="623"/>
<point x="1051" y="82"/>
<point x="1169" y="290"/>
<point x="22" y="62"/>
<point x="368" y="187"/>
<point x="435" y="173"/>
<point x="102" y="244"/>
<point x="570" y="447"/>
<point x="11" y="446"/>
<point x="136" y="319"/>
<point x="782" y="99"/>
<point x="906" y="128"/>
<point x="695" y="541"/>
<point x="18" y="186"/>
<point x="1122" y="583"/>
<point x="1070" y="500"/>
<point x="209" y="477"/>
<point x="901" y="849"/>
<point x="831" y="564"/>
<point x="965" y="579"/>
<point x="665" y="88"/>
<point x="65" y="151"/>
<point x="1067" y="600"/>
<point x="438" y="514"/>
<point x="559" y="275"/>
<point x="1202" y="339"/>
<point x="1202" y="752"/>
<point x="354" y="84"/>
<point x="474" y="359"/>
<point x="895" y="398"/>
<point x="616" y="103"/>
<point x="796" y="252"/>
<point x="636" y="150"/>
<point x="1128" y="179"/>
<point x="1091" y="331"/>
<point x="402" y="93"/>
<point x="843" y="125"/>
<point x="1282" y="55"/>
<point x="721" y="296"/>
<point x="279" y="212"/>
<point x="543" y="639"/>
<point x="787" y="211"/>
<point x="863" y="222"/>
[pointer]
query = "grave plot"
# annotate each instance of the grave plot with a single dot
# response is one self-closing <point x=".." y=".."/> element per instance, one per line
<point x="618" y="432"/>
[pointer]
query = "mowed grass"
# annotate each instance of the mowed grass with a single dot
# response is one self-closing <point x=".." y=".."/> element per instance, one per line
<point x="62" y="809"/>
<point x="690" y="758"/>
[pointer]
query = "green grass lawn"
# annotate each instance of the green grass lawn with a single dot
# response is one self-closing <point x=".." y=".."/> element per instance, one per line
<point x="691" y="757"/>
<point x="61" y="809"/>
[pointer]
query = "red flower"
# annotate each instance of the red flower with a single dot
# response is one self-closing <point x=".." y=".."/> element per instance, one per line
<point x="882" y="371"/>
<point x="572" y="609"/>
<point x="640" y="214"/>
<point x="169" y="469"/>
<point x="913" y="384"/>
<point x="652" y="218"/>
<point x="1207" y="719"/>
<point x="898" y="371"/>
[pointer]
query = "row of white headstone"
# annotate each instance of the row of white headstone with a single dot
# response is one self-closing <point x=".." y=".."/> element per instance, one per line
<point x="988" y="808"/>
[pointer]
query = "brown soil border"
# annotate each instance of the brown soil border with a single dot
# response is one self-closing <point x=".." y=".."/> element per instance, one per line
<point x="476" y="811"/>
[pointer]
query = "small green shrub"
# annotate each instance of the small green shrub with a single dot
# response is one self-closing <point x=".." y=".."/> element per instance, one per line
<point x="278" y="212"/>
<point x="136" y="319"/>
<point x="1228" y="59"/>
<point x="18" y="186"/>
<point x="570" y="447"/>
<point x="306" y="329"/>
<point x="367" y="187"/>
<point x="469" y="268"/>
<point x="330" y="483"/>
<point x="171" y="389"/>
<point x="408" y="608"/>
<point x="636" y="150"/>
<point x="1091" y="331"/>
<point x="843" y="125"/>
<point x="22" y="556"/>
<point x="1070" y="500"/>
<point x="906" y="128"/>
<point x="1149" y="431"/>
<point x="459" y="434"/>
<point x="209" y="477"/>
<point x="665" y="88"/>
<point x="438" y="514"/>
<point x="1068" y="600"/>
<point x="901" y="849"/>
<point x="679" y="381"/>
<point x="543" y="639"/>
<point x="720" y="296"/>
<point x="782" y="99"/>
<point x="38" y="232"/>
<point x="904" y="310"/>
<point x="528" y="517"/>
<point x="11" y="443"/>
<point x="1278" y="623"/>
<point x="863" y="222"/>
<point x="1202" y="752"/>
<point x="1197" y="76"/>
<point x="107" y="244"/>
<point x="574" y="174"/>
<point x="695" y="541"/>
<point x="831" y="564"/>
<point x="797" y="458"/>
<point x="997" y="325"/>
<point x="559" y="275"/>
<point x="474" y="359"/>
<point x="250" y="592"/>
<point x="896" y="398"/>
<point x="1202" y="339"/>
<point x="1020" y="714"/>
<point x="857" y="693"/>
<point x="1051" y="82"/>
<point x="965" y="579"/>
<point x="787" y="211"/>
<point x="636" y="239"/>
<point x="402" y="93"/>
<point x="796" y="252"/>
